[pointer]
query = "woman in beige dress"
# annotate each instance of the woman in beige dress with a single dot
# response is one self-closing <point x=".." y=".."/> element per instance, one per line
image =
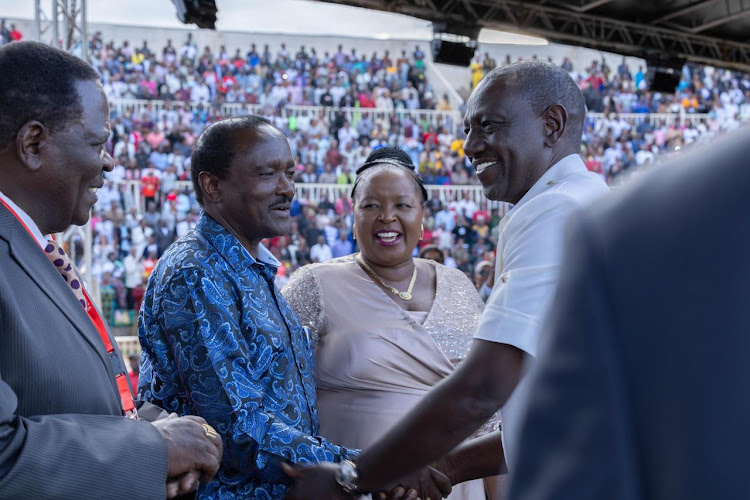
<point x="387" y="327"/>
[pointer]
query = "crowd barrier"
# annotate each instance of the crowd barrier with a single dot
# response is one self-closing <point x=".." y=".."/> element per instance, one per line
<point x="432" y="117"/>
<point x="435" y="118"/>
<point x="128" y="345"/>
<point x="316" y="192"/>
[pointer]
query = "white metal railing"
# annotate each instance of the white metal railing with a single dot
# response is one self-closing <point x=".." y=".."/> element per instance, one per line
<point x="128" y="346"/>
<point x="655" y="119"/>
<point x="315" y="192"/>
<point x="435" y="118"/>
<point x="445" y="194"/>
<point x="432" y="117"/>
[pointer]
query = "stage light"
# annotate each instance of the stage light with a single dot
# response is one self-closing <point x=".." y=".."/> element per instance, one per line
<point x="202" y="13"/>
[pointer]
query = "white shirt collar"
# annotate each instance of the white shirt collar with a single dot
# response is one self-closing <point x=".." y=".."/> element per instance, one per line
<point x="265" y="257"/>
<point x="35" y="232"/>
<point x="571" y="164"/>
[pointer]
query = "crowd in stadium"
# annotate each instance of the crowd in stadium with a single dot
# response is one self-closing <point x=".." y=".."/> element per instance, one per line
<point x="326" y="271"/>
<point x="154" y="146"/>
<point x="329" y="149"/>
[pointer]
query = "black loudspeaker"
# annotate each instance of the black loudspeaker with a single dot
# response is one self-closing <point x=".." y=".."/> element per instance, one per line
<point x="200" y="12"/>
<point x="664" y="73"/>
<point x="663" y="80"/>
<point x="454" y="53"/>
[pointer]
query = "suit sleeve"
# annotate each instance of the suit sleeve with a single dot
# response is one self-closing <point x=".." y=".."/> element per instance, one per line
<point x="577" y="440"/>
<point x="67" y="456"/>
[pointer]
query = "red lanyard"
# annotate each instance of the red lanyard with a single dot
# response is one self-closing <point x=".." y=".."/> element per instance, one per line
<point x="122" y="384"/>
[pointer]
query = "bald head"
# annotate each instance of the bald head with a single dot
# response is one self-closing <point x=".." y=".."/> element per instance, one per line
<point x="543" y="84"/>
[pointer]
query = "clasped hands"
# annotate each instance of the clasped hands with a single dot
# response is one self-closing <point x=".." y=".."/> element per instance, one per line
<point x="318" y="481"/>
<point x="193" y="451"/>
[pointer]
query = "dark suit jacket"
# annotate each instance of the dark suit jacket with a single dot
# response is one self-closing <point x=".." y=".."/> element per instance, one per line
<point x="62" y="433"/>
<point x="163" y="240"/>
<point x="642" y="385"/>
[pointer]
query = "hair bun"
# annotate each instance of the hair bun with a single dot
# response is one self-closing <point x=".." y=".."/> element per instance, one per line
<point x="396" y="157"/>
<point x="391" y="153"/>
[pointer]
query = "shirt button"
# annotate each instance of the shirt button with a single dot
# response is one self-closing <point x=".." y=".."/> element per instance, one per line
<point x="551" y="183"/>
<point x="504" y="278"/>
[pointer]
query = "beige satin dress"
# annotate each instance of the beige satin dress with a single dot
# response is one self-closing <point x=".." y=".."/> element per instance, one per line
<point x="374" y="360"/>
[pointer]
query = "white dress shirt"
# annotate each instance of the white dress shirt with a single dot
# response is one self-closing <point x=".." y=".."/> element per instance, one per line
<point x="35" y="231"/>
<point x="320" y="253"/>
<point x="529" y="255"/>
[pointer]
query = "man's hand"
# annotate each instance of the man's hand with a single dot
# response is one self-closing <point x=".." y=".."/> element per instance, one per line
<point x="192" y="455"/>
<point x="426" y="483"/>
<point x="314" y="482"/>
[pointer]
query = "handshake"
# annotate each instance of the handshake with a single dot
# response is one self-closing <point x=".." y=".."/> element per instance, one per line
<point x="193" y="449"/>
<point x="319" y="481"/>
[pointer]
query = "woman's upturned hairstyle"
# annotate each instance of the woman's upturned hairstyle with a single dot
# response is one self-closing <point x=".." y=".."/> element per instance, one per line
<point x="388" y="156"/>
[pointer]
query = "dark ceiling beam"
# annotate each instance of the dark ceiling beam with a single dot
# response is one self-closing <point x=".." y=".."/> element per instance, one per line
<point x="720" y="21"/>
<point x="592" y="5"/>
<point x="685" y="10"/>
<point x="584" y="7"/>
<point x="562" y="25"/>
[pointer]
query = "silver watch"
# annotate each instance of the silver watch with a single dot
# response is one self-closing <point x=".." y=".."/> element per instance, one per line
<point x="347" y="475"/>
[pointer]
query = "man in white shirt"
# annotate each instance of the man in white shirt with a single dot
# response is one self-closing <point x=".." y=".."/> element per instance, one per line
<point x="200" y="91"/>
<point x="133" y="275"/>
<point x="321" y="252"/>
<point x="523" y="124"/>
<point x="466" y="207"/>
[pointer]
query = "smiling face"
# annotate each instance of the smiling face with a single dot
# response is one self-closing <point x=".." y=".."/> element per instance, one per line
<point x="505" y="140"/>
<point x="73" y="162"/>
<point x="388" y="216"/>
<point x="258" y="189"/>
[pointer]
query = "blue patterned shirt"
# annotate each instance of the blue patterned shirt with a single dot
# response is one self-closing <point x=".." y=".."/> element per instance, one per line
<point x="220" y="341"/>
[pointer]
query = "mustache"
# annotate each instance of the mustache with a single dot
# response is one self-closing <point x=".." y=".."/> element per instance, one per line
<point x="285" y="200"/>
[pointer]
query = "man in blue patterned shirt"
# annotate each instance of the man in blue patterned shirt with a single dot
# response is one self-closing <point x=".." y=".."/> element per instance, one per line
<point x="218" y="338"/>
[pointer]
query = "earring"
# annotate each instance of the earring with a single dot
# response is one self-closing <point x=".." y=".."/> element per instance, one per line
<point x="421" y="235"/>
<point x="354" y="235"/>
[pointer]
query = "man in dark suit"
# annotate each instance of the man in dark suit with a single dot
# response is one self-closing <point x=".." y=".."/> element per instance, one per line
<point x="641" y="387"/>
<point x="64" y="397"/>
<point x="164" y="237"/>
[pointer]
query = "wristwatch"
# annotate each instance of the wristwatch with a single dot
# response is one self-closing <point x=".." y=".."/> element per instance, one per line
<point x="346" y="476"/>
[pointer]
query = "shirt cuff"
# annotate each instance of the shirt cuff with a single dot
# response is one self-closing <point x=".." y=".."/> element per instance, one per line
<point x="506" y="326"/>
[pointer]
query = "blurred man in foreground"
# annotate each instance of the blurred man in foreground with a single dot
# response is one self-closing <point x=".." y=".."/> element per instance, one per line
<point x="640" y="389"/>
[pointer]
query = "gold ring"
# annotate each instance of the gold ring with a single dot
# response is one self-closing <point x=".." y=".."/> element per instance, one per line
<point x="210" y="432"/>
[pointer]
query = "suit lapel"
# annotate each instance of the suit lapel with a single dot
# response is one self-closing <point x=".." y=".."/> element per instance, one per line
<point x="26" y="252"/>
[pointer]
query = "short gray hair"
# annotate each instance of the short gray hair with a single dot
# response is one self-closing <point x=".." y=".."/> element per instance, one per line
<point x="543" y="84"/>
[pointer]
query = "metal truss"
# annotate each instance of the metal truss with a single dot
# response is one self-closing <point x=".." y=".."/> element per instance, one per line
<point x="694" y="18"/>
<point x="568" y="23"/>
<point x="63" y="26"/>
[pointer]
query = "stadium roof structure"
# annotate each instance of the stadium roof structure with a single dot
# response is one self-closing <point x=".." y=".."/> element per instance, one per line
<point x="715" y="32"/>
